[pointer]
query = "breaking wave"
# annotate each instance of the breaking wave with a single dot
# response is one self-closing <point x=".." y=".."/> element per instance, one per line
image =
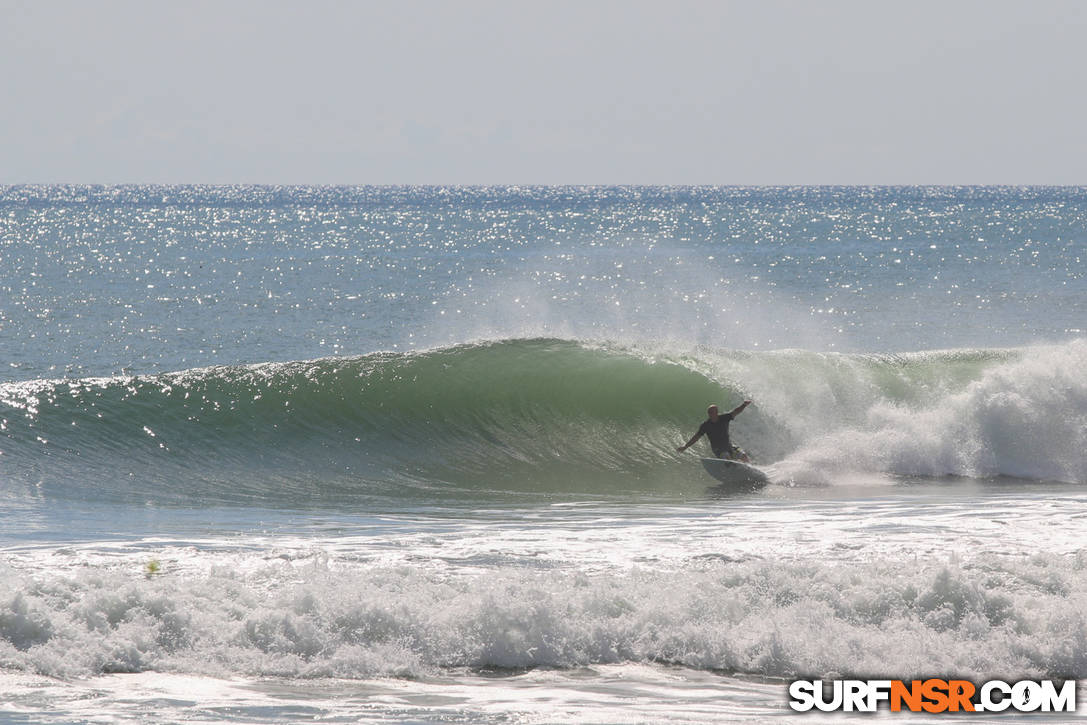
<point x="539" y="415"/>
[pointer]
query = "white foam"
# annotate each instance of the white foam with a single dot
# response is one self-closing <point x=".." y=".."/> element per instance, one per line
<point x="992" y="616"/>
<point x="1025" y="417"/>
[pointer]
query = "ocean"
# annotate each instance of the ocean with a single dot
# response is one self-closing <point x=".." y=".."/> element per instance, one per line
<point x="284" y="454"/>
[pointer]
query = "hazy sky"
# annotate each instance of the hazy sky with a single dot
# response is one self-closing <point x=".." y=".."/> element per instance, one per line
<point x="544" y="92"/>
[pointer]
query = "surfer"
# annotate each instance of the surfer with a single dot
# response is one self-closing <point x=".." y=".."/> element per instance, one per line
<point x="716" y="429"/>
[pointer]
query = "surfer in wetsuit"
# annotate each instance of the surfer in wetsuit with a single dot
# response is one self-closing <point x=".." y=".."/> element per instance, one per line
<point x="716" y="429"/>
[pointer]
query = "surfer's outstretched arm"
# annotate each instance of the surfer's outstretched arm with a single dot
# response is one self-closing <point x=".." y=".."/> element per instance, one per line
<point x="740" y="408"/>
<point x="689" y="443"/>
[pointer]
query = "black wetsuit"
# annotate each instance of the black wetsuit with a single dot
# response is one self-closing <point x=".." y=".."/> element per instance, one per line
<point x="718" y="435"/>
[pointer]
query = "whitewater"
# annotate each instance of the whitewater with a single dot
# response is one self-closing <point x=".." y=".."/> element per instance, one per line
<point x="409" y="454"/>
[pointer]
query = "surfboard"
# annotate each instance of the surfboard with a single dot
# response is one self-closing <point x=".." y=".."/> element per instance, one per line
<point x="735" y="473"/>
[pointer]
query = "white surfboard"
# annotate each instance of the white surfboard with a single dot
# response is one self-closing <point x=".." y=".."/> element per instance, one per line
<point x="735" y="473"/>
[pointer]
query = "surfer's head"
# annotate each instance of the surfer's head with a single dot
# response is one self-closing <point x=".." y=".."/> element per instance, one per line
<point x="712" y="412"/>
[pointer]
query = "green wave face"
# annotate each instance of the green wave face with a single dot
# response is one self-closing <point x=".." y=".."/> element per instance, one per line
<point x="520" y="415"/>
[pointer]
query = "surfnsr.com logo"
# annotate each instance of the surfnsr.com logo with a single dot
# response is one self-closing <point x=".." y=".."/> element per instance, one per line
<point x="932" y="696"/>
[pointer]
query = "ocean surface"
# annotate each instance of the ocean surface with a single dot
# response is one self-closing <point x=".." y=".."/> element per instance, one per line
<point x="284" y="454"/>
